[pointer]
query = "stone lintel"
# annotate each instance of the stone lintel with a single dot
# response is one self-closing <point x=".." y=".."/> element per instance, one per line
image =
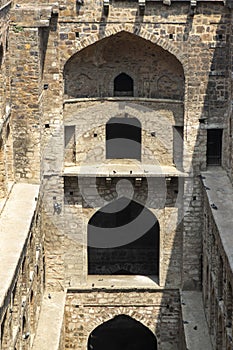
<point x="28" y="16"/>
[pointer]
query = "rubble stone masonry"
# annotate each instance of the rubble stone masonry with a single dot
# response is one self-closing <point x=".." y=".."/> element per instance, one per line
<point x="58" y="67"/>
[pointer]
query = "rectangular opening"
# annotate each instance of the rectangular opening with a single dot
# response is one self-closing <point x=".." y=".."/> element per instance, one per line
<point x="123" y="138"/>
<point x="214" y="147"/>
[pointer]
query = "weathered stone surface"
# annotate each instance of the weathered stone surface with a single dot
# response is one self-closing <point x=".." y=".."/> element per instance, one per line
<point x="58" y="64"/>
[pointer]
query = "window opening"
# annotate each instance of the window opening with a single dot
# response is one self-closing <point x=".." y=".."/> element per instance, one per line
<point x="123" y="138"/>
<point x="214" y="146"/>
<point x="123" y="85"/>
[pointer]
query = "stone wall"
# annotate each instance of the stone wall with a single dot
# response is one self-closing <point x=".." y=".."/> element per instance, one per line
<point x="4" y="68"/>
<point x="6" y="170"/>
<point x="6" y="156"/>
<point x="217" y="283"/>
<point x="88" y="309"/>
<point x="60" y="55"/>
<point x="83" y="197"/>
<point x="25" y="70"/>
<point x="229" y="138"/>
<point x="157" y="129"/>
<point x="20" y="310"/>
<point x="155" y="73"/>
<point x="199" y="44"/>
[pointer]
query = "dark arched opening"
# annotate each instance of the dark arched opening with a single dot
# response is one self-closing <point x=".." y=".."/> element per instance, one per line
<point x="123" y="239"/>
<point x="123" y="85"/>
<point x="123" y="138"/>
<point x="122" y="333"/>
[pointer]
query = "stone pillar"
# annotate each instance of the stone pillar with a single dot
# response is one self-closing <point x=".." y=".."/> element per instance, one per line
<point x="26" y="89"/>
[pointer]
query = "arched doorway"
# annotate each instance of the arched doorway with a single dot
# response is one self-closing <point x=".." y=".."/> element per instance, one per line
<point x="122" y="333"/>
<point x="123" y="239"/>
<point x="123" y="138"/>
<point x="123" y="85"/>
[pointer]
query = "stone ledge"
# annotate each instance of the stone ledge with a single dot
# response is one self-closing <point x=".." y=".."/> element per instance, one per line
<point x="194" y="322"/>
<point x="219" y="192"/>
<point x="129" y="99"/>
<point x="123" y="170"/>
<point x="15" y="223"/>
<point x="113" y="283"/>
<point x="50" y="322"/>
<point x="7" y="3"/>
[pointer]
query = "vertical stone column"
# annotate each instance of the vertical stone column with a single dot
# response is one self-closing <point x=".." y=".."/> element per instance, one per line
<point x="52" y="151"/>
<point x="231" y="99"/>
<point x="194" y="161"/>
<point x="26" y="114"/>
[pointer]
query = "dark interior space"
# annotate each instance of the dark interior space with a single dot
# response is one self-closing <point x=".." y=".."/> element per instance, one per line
<point x="214" y="147"/>
<point x="123" y="239"/>
<point x="123" y="85"/>
<point x="122" y="333"/>
<point x="123" y="138"/>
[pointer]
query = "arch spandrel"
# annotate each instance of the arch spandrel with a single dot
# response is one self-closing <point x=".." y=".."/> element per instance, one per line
<point x="139" y="32"/>
<point x="108" y="315"/>
<point x="92" y="71"/>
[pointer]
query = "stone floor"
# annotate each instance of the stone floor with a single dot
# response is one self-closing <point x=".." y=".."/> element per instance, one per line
<point x="124" y="282"/>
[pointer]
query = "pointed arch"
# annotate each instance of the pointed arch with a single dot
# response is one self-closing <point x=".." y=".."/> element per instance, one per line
<point x="122" y="333"/>
<point x="121" y="57"/>
<point x="143" y="33"/>
<point x="123" y="238"/>
<point x="123" y="85"/>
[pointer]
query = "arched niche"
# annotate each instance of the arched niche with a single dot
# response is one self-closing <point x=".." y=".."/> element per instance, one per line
<point x="91" y="71"/>
<point x="123" y="85"/>
<point x="123" y="239"/>
<point x="122" y="333"/>
<point x="123" y="138"/>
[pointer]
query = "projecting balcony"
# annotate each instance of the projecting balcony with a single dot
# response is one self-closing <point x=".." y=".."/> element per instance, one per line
<point x="122" y="98"/>
<point x="122" y="168"/>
